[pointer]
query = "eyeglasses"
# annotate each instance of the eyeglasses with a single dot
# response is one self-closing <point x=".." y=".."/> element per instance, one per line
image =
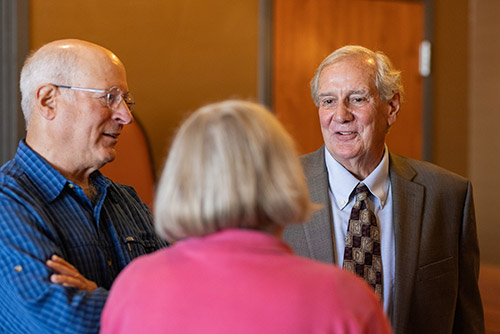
<point x="114" y="96"/>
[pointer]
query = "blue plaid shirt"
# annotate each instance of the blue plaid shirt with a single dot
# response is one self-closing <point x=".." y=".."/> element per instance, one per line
<point x="42" y="213"/>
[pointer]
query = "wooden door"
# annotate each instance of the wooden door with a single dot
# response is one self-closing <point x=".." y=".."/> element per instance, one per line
<point x="306" y="31"/>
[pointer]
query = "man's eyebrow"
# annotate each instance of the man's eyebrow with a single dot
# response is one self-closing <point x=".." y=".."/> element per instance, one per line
<point x="359" y="91"/>
<point x="354" y="91"/>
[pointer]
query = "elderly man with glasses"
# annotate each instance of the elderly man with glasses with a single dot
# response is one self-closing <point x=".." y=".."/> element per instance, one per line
<point x="66" y="231"/>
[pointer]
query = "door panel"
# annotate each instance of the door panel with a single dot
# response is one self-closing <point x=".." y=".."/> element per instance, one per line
<point x="305" y="32"/>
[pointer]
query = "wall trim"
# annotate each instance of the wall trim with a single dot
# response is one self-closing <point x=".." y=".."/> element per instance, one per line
<point x="14" y="46"/>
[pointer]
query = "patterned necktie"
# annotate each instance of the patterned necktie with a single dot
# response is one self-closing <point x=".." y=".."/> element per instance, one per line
<point x="362" y="242"/>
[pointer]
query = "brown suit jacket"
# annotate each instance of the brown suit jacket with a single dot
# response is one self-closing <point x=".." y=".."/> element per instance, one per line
<point x="437" y="254"/>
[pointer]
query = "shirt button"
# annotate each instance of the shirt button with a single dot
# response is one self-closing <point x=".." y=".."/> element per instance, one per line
<point x="18" y="268"/>
<point x="109" y="263"/>
<point x="342" y="203"/>
<point x="71" y="185"/>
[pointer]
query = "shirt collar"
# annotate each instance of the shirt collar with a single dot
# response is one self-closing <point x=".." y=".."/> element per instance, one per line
<point x="378" y="181"/>
<point x="45" y="177"/>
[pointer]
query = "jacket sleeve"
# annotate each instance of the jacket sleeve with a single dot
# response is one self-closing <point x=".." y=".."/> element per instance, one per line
<point x="469" y="316"/>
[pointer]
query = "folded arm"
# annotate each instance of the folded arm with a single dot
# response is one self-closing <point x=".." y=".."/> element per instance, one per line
<point x="31" y="302"/>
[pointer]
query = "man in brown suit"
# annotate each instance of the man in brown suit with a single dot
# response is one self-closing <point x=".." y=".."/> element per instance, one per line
<point x="430" y="253"/>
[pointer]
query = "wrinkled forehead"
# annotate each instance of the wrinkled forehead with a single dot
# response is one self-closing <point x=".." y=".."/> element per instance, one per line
<point x="349" y="72"/>
<point x="100" y="69"/>
<point x="361" y="64"/>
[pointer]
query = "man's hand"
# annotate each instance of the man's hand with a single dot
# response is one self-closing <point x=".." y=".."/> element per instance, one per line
<point x="67" y="275"/>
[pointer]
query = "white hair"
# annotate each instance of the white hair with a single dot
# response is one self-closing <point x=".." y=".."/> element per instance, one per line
<point x="387" y="78"/>
<point x="46" y="65"/>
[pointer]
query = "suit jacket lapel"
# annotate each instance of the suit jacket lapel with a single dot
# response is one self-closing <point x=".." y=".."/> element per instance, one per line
<point x="319" y="231"/>
<point x="408" y="198"/>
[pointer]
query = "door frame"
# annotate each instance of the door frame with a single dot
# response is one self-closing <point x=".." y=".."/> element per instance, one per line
<point x="14" y="47"/>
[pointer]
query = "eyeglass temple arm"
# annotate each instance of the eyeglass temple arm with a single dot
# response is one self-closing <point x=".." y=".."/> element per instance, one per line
<point x="80" y="88"/>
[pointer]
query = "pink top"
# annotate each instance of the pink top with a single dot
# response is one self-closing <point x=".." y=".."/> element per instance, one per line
<point x="238" y="281"/>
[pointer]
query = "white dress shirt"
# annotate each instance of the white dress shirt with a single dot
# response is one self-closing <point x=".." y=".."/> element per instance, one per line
<point x="341" y="185"/>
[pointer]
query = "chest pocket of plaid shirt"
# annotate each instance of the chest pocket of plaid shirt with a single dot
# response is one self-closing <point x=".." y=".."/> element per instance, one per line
<point x="138" y="245"/>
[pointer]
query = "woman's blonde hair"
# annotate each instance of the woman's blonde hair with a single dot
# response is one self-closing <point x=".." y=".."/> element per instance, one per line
<point x="231" y="165"/>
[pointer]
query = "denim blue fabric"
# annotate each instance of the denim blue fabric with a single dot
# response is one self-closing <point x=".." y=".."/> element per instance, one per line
<point x="43" y="213"/>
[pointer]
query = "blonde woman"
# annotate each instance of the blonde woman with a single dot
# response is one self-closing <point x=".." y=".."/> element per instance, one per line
<point x="231" y="183"/>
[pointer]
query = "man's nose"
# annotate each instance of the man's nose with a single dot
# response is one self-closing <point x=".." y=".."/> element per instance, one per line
<point x="342" y="113"/>
<point x="123" y="114"/>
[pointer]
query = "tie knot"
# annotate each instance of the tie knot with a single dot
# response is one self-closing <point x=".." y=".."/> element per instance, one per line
<point x="361" y="188"/>
<point x="361" y="192"/>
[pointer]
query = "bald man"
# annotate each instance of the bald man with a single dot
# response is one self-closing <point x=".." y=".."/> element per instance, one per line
<point x="66" y="231"/>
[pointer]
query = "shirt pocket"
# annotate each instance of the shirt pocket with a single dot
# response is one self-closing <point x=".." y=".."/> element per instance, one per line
<point x="139" y="244"/>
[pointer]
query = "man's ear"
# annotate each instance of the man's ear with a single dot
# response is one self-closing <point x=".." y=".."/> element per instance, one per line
<point x="45" y="102"/>
<point x="393" y="105"/>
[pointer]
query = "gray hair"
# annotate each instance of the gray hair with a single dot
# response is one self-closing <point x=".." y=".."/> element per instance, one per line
<point x="46" y="65"/>
<point x="387" y="78"/>
<point x="231" y="165"/>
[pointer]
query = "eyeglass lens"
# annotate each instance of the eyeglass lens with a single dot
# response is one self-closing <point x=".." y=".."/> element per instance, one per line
<point x="115" y="98"/>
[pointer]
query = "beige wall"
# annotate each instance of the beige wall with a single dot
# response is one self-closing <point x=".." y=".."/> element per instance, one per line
<point x="484" y="123"/>
<point x="182" y="54"/>
<point x="466" y="119"/>
<point x="178" y="54"/>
